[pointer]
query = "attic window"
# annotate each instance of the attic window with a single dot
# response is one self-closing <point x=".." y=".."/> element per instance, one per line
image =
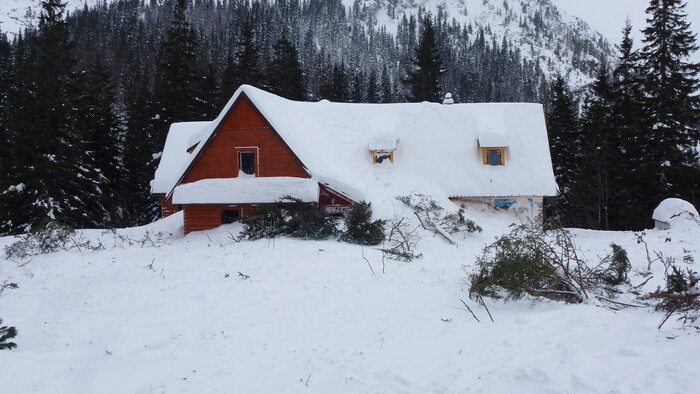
<point x="381" y="147"/>
<point x="246" y="162"/>
<point x="380" y="156"/>
<point x="493" y="156"/>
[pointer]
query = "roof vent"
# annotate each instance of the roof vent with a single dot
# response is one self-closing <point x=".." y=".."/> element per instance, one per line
<point x="448" y="99"/>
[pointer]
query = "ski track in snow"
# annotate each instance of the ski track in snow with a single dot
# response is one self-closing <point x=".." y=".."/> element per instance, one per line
<point x="312" y="318"/>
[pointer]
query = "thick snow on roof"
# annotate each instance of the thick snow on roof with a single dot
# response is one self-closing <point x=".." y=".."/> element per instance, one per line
<point x="439" y="152"/>
<point x="672" y="208"/>
<point x="175" y="155"/>
<point x="492" y="140"/>
<point x="382" y="141"/>
<point x="245" y="190"/>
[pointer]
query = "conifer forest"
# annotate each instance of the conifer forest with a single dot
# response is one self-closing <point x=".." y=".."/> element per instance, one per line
<point x="86" y="98"/>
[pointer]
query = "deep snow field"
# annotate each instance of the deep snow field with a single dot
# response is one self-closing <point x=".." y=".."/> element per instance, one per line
<point x="175" y="316"/>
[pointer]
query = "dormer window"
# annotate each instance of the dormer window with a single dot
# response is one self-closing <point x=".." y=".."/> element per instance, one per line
<point x="493" y="147"/>
<point x="382" y="147"/>
<point x="494" y="156"/>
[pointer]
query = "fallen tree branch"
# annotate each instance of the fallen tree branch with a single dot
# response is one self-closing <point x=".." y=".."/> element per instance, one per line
<point x="486" y="307"/>
<point x="617" y="302"/>
<point x="370" y="265"/>
<point x="470" y="310"/>
<point x="643" y="283"/>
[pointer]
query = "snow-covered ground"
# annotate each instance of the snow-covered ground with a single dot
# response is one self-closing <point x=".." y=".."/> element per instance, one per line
<point x="203" y="313"/>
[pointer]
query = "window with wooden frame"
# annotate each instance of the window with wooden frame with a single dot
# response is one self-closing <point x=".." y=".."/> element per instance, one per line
<point x="247" y="161"/>
<point x="229" y="215"/>
<point x="494" y="156"/>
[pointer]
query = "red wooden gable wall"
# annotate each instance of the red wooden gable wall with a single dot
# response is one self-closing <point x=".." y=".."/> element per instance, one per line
<point x="244" y="128"/>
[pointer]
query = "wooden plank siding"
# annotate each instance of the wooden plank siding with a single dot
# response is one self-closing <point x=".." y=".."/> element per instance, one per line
<point x="207" y="216"/>
<point x="244" y="128"/>
<point x="167" y="207"/>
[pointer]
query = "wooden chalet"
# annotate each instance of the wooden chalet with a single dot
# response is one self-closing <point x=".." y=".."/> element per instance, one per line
<point x="263" y="147"/>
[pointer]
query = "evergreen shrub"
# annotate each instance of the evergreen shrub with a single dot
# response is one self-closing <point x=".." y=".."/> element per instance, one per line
<point x="530" y="261"/>
<point x="291" y="217"/>
<point x="359" y="227"/>
<point x="7" y="333"/>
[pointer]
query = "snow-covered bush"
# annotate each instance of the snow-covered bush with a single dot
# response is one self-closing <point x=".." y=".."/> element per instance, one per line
<point x="359" y="227"/>
<point x="7" y="333"/>
<point x="51" y="238"/>
<point x="292" y="217"/>
<point x="530" y="261"/>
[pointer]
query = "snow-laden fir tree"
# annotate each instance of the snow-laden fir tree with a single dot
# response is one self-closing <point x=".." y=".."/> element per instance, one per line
<point x="52" y="177"/>
<point x="564" y="144"/>
<point x="285" y="75"/>
<point x="372" y="91"/>
<point x="176" y="74"/>
<point x="629" y="123"/>
<point x="670" y="166"/>
<point x="423" y="81"/>
<point x="248" y="59"/>
<point x="591" y="194"/>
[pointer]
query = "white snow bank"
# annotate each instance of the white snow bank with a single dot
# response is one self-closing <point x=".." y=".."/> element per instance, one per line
<point x="175" y="155"/>
<point x="246" y="190"/>
<point x="310" y="317"/>
<point x="672" y="208"/>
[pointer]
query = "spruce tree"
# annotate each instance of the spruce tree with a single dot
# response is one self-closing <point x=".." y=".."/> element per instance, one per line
<point x="176" y="74"/>
<point x="628" y="121"/>
<point x="248" y="62"/>
<point x="51" y="177"/>
<point x="6" y="79"/>
<point x="564" y="145"/>
<point x="423" y="82"/>
<point x="139" y="146"/>
<point x="387" y="91"/>
<point x="670" y="167"/>
<point x="285" y="75"/>
<point x="335" y="87"/>
<point x="100" y="128"/>
<point x="591" y="190"/>
<point x="372" y="92"/>
<point x="358" y="88"/>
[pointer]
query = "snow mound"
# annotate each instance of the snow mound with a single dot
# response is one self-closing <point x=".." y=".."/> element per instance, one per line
<point x="672" y="208"/>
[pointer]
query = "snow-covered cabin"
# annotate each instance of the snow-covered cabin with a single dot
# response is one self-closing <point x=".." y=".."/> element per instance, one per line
<point x="262" y="147"/>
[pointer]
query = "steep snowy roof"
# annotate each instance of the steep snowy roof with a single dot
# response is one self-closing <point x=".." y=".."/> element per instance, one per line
<point x="175" y="155"/>
<point x="246" y="190"/>
<point x="439" y="151"/>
